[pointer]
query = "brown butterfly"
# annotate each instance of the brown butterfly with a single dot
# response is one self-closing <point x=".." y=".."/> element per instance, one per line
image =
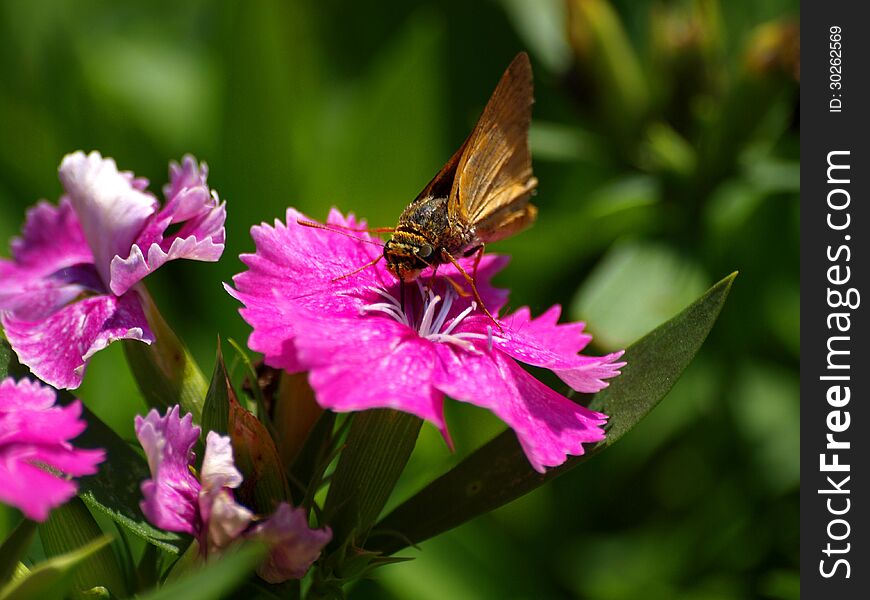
<point x="481" y="195"/>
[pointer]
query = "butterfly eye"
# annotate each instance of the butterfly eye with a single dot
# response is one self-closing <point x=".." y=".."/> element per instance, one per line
<point x="424" y="251"/>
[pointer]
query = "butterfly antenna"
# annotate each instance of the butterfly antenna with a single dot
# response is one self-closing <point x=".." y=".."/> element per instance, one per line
<point x="314" y="225"/>
<point x="362" y="268"/>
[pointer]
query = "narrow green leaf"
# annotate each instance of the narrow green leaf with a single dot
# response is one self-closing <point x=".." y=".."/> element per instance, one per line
<point x="313" y="451"/>
<point x="215" y="412"/>
<point x="51" y="579"/>
<point x="72" y="526"/>
<point x="6" y="357"/>
<point x="217" y="578"/>
<point x="165" y="371"/>
<point x="148" y="569"/>
<point x="262" y="413"/>
<point x="499" y="472"/>
<point x="378" y="447"/>
<point x="17" y="543"/>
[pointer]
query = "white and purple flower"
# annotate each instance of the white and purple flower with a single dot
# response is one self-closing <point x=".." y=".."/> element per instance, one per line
<point x="205" y="507"/>
<point x="365" y="348"/>
<point x="70" y="288"/>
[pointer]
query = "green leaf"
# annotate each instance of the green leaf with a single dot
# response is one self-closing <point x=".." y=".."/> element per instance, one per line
<point x="499" y="471"/>
<point x="148" y="570"/>
<point x="314" y="450"/>
<point x="17" y="543"/>
<point x="217" y="578"/>
<point x="215" y="412"/>
<point x="51" y="579"/>
<point x="253" y="378"/>
<point x="72" y="526"/>
<point x="165" y="371"/>
<point x="378" y="447"/>
<point x="6" y="357"/>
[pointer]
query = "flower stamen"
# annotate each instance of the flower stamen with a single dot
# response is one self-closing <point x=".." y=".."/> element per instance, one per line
<point x="435" y="311"/>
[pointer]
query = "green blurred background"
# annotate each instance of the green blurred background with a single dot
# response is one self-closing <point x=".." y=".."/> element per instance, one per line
<point x="665" y="140"/>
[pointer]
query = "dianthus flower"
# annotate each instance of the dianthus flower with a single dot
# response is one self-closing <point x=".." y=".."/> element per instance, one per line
<point x="70" y="288"/>
<point x="36" y="457"/>
<point x="176" y="500"/>
<point x="365" y="348"/>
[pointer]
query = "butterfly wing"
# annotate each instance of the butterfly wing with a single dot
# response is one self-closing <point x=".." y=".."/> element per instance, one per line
<point x="442" y="183"/>
<point x="493" y="176"/>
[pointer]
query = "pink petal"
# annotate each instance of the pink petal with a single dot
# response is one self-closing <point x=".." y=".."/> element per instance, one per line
<point x="294" y="545"/>
<point x="295" y="267"/>
<point x="589" y="373"/>
<point x="34" y="436"/>
<point x="172" y="492"/>
<point x="69" y="460"/>
<point x="217" y="475"/>
<point x="183" y="178"/>
<point x="224" y="518"/>
<point x="218" y="467"/>
<point x="25" y="394"/>
<point x="549" y="426"/>
<point x="51" y="239"/>
<point x="111" y="210"/>
<point x="57" y="349"/>
<point x="373" y="363"/>
<point x="51" y="266"/>
<point x="544" y="332"/>
<point x="543" y="342"/>
<point x="31" y="489"/>
<point x="41" y="425"/>
<point x="307" y="259"/>
<point x="281" y="273"/>
<point x="201" y="235"/>
<point x="227" y="519"/>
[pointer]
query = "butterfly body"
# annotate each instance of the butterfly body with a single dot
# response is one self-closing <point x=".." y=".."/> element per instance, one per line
<point x="423" y="237"/>
<point x="481" y="195"/>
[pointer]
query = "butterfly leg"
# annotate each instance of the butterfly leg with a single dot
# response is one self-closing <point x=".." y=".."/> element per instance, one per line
<point x="431" y="284"/>
<point x="479" y="252"/>
<point x="474" y="291"/>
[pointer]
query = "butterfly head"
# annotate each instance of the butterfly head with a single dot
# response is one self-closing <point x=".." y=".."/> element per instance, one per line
<point x="407" y="254"/>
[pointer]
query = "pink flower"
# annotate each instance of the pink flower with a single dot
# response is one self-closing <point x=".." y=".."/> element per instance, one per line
<point x="363" y="350"/>
<point x="294" y="545"/>
<point x="175" y="500"/>
<point x="36" y="457"/>
<point x="70" y="289"/>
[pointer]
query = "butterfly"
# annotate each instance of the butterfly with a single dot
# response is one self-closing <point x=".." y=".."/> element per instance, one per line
<point x="481" y="195"/>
